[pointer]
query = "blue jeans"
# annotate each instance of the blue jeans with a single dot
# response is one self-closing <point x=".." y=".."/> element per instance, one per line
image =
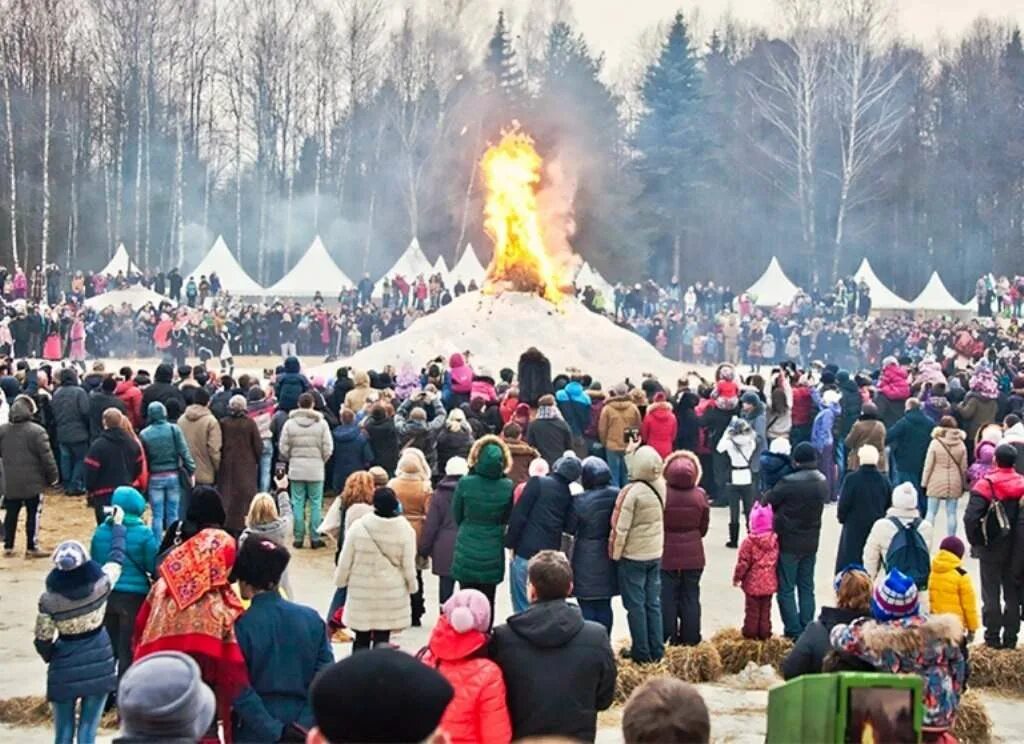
<point x="72" y="466"/>
<point x="796" y="577"/>
<point x="598" y="610"/>
<point x="617" y="464"/>
<point x="933" y="512"/>
<point x="517" y="583"/>
<point x="266" y="460"/>
<point x="88" y="722"/>
<point x="640" y="583"/>
<point x="164" y="498"/>
<point x="313" y="493"/>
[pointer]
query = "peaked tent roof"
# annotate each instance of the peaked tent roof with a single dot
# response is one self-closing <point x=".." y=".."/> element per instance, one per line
<point x="135" y="297"/>
<point x="233" y="278"/>
<point x="882" y="298"/>
<point x="315" y="271"/>
<point x="440" y="267"/>
<point x="121" y="262"/>
<point x="936" y="298"/>
<point x="468" y="267"/>
<point x="774" y="287"/>
<point x="588" y="275"/>
<point x="410" y="264"/>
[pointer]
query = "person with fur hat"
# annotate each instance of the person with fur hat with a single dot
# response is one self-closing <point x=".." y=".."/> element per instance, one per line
<point x="755" y="573"/>
<point x="437" y="538"/>
<point x="882" y="552"/>
<point x="522" y="453"/>
<point x="70" y="636"/>
<point x="284" y="644"/>
<point x="898" y="639"/>
<point x="739" y="444"/>
<point x="29" y="469"/>
<point x="950" y="589"/>
<point x="867" y="429"/>
<point x="457" y="649"/>
<point x="481" y="508"/>
<point x="411" y="485"/>
<point x="865" y="496"/>
<point x="595" y="576"/>
<point x="163" y="698"/>
<point x="945" y="471"/>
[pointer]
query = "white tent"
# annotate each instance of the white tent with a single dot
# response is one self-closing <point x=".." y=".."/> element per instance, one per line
<point x="410" y="264"/>
<point x="121" y="262"/>
<point x="882" y="298"/>
<point x="774" y="287"/>
<point x="440" y="267"/>
<point x="935" y="298"/>
<point x="136" y="297"/>
<point x="589" y="276"/>
<point x="468" y="268"/>
<point x="315" y="271"/>
<point x="233" y="278"/>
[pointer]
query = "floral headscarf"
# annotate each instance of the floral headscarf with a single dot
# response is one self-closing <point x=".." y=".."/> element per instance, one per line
<point x="983" y="381"/>
<point x="198" y="565"/>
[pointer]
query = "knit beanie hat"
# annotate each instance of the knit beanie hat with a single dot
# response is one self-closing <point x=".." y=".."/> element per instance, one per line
<point x="385" y="503"/>
<point x="761" y="519"/>
<point x="380" y="475"/>
<point x="894" y="596"/>
<point x="954" y="545"/>
<point x="70" y="555"/>
<point x="780" y="446"/>
<point x="868" y="454"/>
<point x="904" y="496"/>
<point x="162" y="697"/>
<point x="468" y="609"/>
<point x="456" y="466"/>
<point x="805" y="454"/>
<point x="538" y="467"/>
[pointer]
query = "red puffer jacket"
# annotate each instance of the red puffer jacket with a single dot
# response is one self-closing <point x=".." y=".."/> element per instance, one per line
<point x="894" y="383"/>
<point x="803" y="406"/>
<point x="755" y="565"/>
<point x="479" y="711"/>
<point x="686" y="514"/>
<point x="659" y="428"/>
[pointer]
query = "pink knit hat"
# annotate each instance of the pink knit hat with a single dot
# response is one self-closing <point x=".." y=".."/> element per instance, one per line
<point x="468" y="609"/>
<point x="761" y="519"/>
<point x="538" y="467"/>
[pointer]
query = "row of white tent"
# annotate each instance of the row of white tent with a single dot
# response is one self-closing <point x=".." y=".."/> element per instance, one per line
<point x="775" y="288"/>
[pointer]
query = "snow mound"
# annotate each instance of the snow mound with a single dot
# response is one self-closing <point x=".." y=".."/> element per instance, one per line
<point x="497" y="329"/>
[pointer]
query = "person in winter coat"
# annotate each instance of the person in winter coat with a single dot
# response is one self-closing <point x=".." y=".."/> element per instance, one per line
<point x="574" y="405"/>
<point x="131" y="588"/>
<point x="29" y="469"/>
<point x="776" y="463"/>
<point x="687" y="429"/>
<point x="868" y="429"/>
<point x="756" y="573"/>
<point x="876" y="548"/>
<point x="166" y="451"/>
<point x="898" y="639"/>
<point x="850" y="405"/>
<point x="637" y="542"/>
<point x="984" y="455"/>
<point x="418" y="423"/>
<point x="853" y="600"/>
<point x="115" y="459"/>
<point x="893" y="391"/>
<point x="437" y="538"/>
<point x="823" y="439"/>
<point x="945" y="471"/>
<point x="981" y="404"/>
<point x="355" y="399"/>
<point x="99" y="401"/>
<point x="411" y="485"/>
<point x="162" y="390"/>
<point x="618" y="427"/>
<point x="1000" y="553"/>
<point x="739" y="444"/>
<point x="534" y="377"/>
<point x="687" y="517"/>
<point x="457" y="649"/>
<point x="458" y="381"/>
<point x="522" y="453"/>
<point x="203" y="436"/>
<point x="481" y="508"/>
<point x="291" y="384"/>
<point x="131" y="396"/>
<point x="552" y="634"/>
<point x="378" y="567"/>
<point x="950" y="589"/>
<point x="70" y="406"/>
<point x="306" y="445"/>
<point x="455" y="440"/>
<point x="383" y="437"/>
<point x="908" y="440"/>
<point x="595" y="578"/>
<point x="352" y="449"/>
<point x="865" y="498"/>
<point x="538" y="521"/>
<point x="238" y="477"/>
<point x="71" y="639"/>
<point x="659" y="426"/>
<point x="798" y="501"/>
<point x="548" y="433"/>
<point x="271" y="519"/>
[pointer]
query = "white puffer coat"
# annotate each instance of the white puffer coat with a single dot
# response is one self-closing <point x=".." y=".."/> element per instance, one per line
<point x="378" y="565"/>
<point x="306" y="444"/>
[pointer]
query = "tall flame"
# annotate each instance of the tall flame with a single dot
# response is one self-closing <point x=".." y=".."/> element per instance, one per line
<point x="512" y="174"/>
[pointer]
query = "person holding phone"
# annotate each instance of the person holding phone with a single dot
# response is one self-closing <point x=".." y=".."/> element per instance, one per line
<point x="618" y="428"/>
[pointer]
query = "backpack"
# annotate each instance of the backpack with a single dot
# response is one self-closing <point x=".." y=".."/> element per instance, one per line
<point x="995" y="525"/>
<point x="909" y="553"/>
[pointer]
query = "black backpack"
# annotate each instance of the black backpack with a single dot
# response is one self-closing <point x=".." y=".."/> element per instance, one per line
<point x="909" y="553"/>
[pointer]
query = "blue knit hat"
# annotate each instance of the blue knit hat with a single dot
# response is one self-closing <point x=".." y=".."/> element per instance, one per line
<point x="894" y="597"/>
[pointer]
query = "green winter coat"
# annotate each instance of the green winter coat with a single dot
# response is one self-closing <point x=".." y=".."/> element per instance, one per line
<point x="481" y="508"/>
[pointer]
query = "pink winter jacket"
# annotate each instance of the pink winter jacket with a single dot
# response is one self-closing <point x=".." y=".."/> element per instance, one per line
<point x="894" y="383"/>
<point x="756" y="563"/>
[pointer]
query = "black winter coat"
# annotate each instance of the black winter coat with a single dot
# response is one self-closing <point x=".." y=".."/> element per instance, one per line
<point x="554" y="636"/>
<point x="774" y="467"/>
<point x="540" y="516"/>
<point x="550" y="437"/>
<point x="114" y="460"/>
<point x="687" y="429"/>
<point x="166" y="393"/>
<point x="798" y="501"/>
<point x="534" y="377"/>
<point x="595" y="575"/>
<point x="437" y="539"/>
<point x="384" y="442"/>
<point x="98" y="403"/>
<point x="813" y="644"/>
<point x="70" y="407"/>
<point x="908" y="439"/>
<point x="864" y="499"/>
<point x="451" y="444"/>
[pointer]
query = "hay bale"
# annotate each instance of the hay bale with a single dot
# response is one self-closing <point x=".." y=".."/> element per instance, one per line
<point x="726" y="634"/>
<point x="736" y="651"/>
<point x="631" y="675"/>
<point x="695" y="664"/>
<point x="972" y="724"/>
<point x="1003" y="670"/>
<point x="23" y="712"/>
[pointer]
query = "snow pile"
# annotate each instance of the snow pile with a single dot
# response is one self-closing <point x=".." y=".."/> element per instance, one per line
<point x="497" y="329"/>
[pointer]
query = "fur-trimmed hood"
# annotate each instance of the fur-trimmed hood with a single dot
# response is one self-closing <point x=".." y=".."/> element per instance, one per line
<point x="907" y="636"/>
<point x="481" y="453"/>
<point x="682" y="469"/>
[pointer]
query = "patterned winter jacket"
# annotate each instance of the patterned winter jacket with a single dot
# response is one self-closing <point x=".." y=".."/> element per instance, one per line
<point x="926" y="646"/>
<point x="756" y="563"/>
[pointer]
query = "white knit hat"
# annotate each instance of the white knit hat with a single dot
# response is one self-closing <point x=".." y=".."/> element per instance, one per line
<point x="904" y="496"/>
<point x="868" y="455"/>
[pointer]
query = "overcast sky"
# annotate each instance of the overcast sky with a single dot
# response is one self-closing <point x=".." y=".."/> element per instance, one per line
<point x="614" y="25"/>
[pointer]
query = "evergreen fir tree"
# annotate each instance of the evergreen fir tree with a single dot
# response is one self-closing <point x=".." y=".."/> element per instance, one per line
<point x="502" y="68"/>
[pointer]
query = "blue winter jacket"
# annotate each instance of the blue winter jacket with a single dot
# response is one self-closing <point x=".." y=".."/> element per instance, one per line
<point x="352" y="452"/>
<point x="290" y="385"/>
<point x="590" y="523"/>
<point x="164" y="443"/>
<point x="140" y="543"/>
<point x="574" y="404"/>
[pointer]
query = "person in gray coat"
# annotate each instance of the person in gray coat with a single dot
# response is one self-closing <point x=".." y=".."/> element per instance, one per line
<point x="29" y="469"/>
<point x="70" y="408"/>
<point x="306" y="445"/>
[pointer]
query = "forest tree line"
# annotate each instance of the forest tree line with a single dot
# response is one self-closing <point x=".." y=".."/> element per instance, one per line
<point x="163" y="123"/>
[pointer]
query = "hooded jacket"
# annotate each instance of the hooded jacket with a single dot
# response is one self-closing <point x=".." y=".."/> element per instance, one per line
<point x="617" y="415"/>
<point x="659" y="428"/>
<point x="290" y="385"/>
<point x="594" y="574"/>
<point x="774" y="467"/>
<point x="547" y="636"/>
<point x="411" y="485"/>
<point x="1007" y="486"/>
<point x="945" y="464"/>
<point x="575" y="407"/>
<point x="29" y="467"/>
<point x="950" y="590"/>
<point x="164" y="443"/>
<point x="638" y="522"/>
<point x="306" y="446"/>
<point x="131" y="396"/>
<point x="481" y="508"/>
<point x="140" y="543"/>
<point x="460" y="376"/>
<point x="756" y="564"/>
<point x="437" y="538"/>
<point x="355" y="399"/>
<point x="203" y="435"/>
<point x="522" y="455"/>
<point x="541" y="514"/>
<point x="740" y="448"/>
<point x="352" y="452"/>
<point x="687" y="514"/>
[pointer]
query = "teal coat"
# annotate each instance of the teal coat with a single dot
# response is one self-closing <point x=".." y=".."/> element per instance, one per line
<point x="164" y="443"/>
<point x="481" y="508"/>
<point x="140" y="543"/>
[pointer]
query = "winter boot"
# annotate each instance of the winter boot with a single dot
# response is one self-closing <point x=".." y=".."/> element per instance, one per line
<point x="734" y="535"/>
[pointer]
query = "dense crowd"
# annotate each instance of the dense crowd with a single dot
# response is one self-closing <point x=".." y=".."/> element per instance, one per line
<point x="597" y="492"/>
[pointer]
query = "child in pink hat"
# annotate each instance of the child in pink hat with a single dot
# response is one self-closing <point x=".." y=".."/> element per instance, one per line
<point x="755" y="573"/>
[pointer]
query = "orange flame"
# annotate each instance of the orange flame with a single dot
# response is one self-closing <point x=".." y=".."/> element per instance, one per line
<point x="512" y="173"/>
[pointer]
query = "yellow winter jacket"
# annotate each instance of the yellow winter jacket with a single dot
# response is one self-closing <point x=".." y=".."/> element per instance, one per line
<point x="950" y="590"/>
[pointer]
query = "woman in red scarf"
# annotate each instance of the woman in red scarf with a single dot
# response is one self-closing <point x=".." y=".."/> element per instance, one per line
<point x="192" y="608"/>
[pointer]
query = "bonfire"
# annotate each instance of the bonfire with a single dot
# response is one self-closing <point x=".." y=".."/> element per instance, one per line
<point x="512" y="219"/>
